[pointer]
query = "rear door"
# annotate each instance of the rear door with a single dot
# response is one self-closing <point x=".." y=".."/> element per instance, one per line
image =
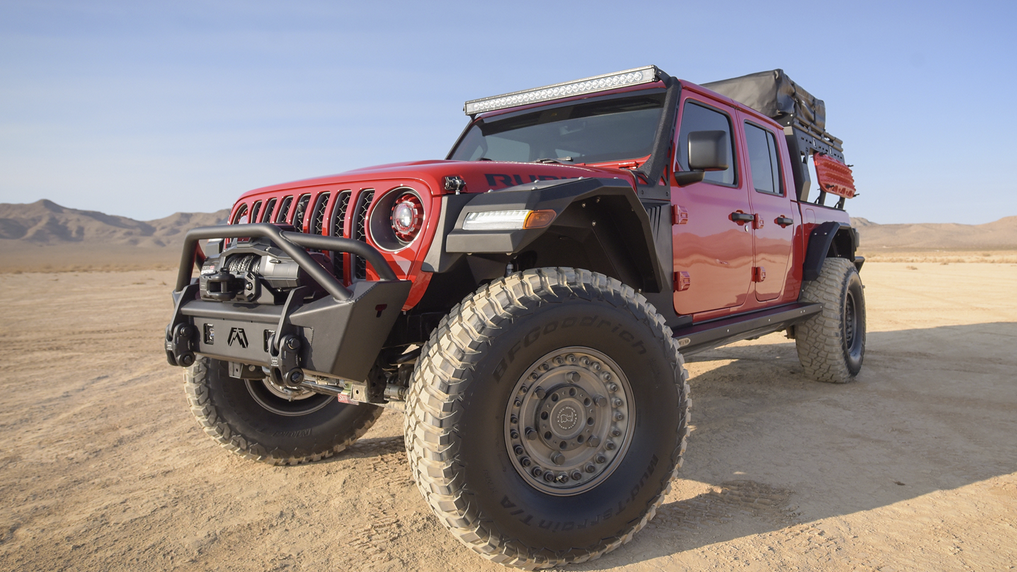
<point x="773" y="226"/>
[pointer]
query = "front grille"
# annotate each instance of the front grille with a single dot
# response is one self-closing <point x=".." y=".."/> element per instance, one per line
<point x="318" y="222"/>
<point x="269" y="207"/>
<point x="284" y="209"/>
<point x="241" y="216"/>
<point x="298" y="215"/>
<point x="342" y="203"/>
<point x="360" y="230"/>
<point x="254" y="212"/>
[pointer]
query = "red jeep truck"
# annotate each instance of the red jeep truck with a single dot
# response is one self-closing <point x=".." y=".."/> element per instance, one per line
<point x="527" y="301"/>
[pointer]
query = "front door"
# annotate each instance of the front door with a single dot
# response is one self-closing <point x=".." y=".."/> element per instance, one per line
<point x="712" y="252"/>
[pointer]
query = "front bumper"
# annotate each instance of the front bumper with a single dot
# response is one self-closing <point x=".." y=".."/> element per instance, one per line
<point x="339" y="335"/>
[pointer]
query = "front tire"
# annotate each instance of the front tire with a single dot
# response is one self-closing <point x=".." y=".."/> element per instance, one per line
<point x="547" y="417"/>
<point x="260" y="421"/>
<point x="831" y="344"/>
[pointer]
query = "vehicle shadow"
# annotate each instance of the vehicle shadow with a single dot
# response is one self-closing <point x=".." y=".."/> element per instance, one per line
<point x="932" y="410"/>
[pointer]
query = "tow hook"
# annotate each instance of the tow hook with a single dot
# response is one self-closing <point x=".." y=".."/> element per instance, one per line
<point x="285" y="369"/>
<point x="180" y="345"/>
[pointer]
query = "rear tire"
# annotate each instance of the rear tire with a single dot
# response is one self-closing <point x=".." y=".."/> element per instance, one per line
<point x="547" y="417"/>
<point x="831" y="344"/>
<point x="264" y="423"/>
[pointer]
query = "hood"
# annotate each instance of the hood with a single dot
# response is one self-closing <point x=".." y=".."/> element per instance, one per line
<point x="480" y="176"/>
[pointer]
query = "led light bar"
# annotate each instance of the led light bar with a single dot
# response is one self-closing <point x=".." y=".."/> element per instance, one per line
<point x="636" y="76"/>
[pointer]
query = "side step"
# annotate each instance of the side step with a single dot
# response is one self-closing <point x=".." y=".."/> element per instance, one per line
<point x="714" y="333"/>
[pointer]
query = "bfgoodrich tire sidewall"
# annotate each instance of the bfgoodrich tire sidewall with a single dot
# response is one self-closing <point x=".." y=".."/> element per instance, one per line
<point x="309" y="434"/>
<point x="496" y="489"/>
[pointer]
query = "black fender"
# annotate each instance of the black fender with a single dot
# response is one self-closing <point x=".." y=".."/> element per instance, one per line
<point x="598" y="222"/>
<point x="829" y="239"/>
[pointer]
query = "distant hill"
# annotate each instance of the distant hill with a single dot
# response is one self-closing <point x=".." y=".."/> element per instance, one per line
<point x="47" y="223"/>
<point x="44" y="236"/>
<point x="998" y="235"/>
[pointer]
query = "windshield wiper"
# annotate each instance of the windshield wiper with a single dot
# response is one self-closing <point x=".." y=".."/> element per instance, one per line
<point x="558" y="160"/>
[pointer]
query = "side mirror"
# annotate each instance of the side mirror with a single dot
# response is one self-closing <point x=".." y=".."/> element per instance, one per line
<point x="708" y="151"/>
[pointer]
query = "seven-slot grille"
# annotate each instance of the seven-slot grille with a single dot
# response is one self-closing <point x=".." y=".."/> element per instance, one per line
<point x="311" y="212"/>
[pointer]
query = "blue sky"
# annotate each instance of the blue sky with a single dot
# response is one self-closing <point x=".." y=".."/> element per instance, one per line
<point x="145" y="109"/>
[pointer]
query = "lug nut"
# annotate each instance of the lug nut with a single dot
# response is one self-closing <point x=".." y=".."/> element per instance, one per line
<point x="610" y="446"/>
<point x="576" y="475"/>
<point x="514" y="418"/>
<point x="606" y="376"/>
<point x="618" y="416"/>
<point x="540" y="393"/>
<point x="525" y="462"/>
<point x="612" y="387"/>
<point x="601" y="459"/>
<point x="557" y="458"/>
<point x="618" y="402"/>
<point x="514" y="434"/>
<point x="518" y="449"/>
<point x="590" y="468"/>
<point x="616" y="432"/>
<point x="549" y="477"/>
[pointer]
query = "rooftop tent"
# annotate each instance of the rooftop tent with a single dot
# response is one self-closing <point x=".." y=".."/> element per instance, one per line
<point x="773" y="94"/>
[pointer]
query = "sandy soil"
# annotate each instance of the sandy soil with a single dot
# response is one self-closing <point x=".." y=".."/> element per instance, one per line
<point x="912" y="467"/>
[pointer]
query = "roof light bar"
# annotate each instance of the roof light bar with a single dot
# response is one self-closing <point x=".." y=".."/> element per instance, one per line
<point x="636" y="76"/>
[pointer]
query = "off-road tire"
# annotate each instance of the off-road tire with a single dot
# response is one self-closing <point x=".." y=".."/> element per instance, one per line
<point x="242" y="417"/>
<point x="486" y="360"/>
<point x="831" y="344"/>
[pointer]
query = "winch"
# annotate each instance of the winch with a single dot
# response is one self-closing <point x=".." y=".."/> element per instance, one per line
<point x="256" y="272"/>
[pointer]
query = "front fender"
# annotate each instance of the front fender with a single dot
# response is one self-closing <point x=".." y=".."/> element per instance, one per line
<point x="608" y="211"/>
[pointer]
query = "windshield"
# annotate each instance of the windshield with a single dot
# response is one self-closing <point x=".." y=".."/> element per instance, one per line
<point x="615" y="129"/>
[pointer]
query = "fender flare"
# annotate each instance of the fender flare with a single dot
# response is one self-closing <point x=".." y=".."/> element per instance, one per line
<point x="826" y="239"/>
<point x="612" y="199"/>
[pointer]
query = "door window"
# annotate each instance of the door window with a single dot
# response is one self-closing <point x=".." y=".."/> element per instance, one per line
<point x="698" y="117"/>
<point x="763" y="160"/>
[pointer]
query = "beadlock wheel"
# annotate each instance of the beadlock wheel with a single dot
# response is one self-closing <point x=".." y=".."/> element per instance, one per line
<point x="831" y="343"/>
<point x="269" y="423"/>
<point x="568" y="427"/>
<point x="547" y="416"/>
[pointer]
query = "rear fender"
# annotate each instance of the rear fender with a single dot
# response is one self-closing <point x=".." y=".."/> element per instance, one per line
<point x="830" y="239"/>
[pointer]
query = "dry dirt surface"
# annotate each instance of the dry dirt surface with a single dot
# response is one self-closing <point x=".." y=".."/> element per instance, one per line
<point x="912" y="467"/>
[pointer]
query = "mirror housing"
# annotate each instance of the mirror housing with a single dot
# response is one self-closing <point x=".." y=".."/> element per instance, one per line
<point x="708" y="151"/>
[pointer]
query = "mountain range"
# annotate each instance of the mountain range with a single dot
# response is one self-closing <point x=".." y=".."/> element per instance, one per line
<point x="46" y="236"/>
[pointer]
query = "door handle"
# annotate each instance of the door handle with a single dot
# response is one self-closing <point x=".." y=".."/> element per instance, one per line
<point x="741" y="217"/>
<point x="784" y="221"/>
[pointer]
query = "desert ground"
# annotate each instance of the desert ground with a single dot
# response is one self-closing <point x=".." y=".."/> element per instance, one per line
<point x="911" y="467"/>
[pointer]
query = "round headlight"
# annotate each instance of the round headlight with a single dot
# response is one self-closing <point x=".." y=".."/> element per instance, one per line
<point x="407" y="217"/>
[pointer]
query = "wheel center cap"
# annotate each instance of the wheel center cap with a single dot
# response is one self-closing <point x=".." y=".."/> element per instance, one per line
<point x="567" y="419"/>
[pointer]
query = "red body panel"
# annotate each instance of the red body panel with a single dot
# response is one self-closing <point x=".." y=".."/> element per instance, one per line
<point x="426" y="178"/>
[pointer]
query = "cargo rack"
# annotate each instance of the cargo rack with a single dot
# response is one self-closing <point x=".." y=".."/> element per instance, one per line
<point x="803" y="117"/>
